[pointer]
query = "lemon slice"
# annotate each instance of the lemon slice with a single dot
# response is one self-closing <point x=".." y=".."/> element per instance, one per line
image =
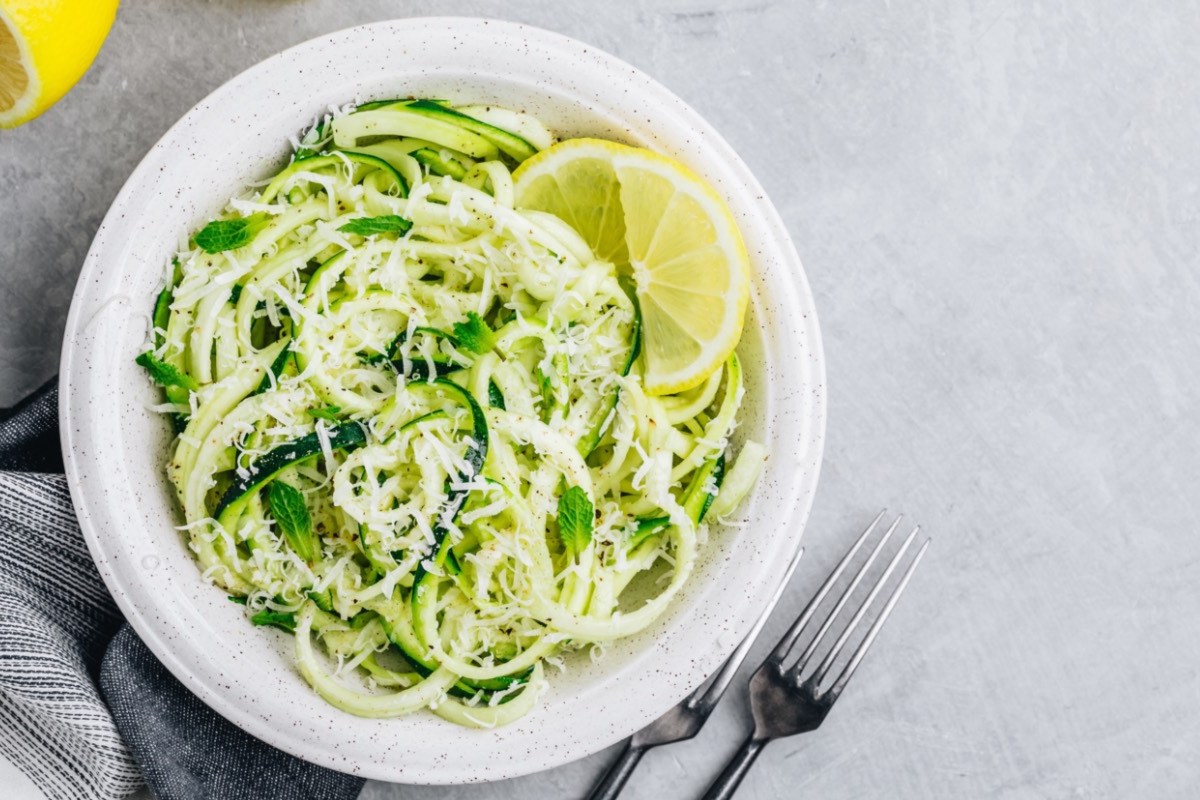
<point x="45" y="47"/>
<point x="655" y="217"/>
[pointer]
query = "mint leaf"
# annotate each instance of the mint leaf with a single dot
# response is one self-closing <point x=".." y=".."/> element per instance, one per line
<point x="291" y="515"/>
<point x="576" y="517"/>
<point x="229" y="234"/>
<point x="369" y="226"/>
<point x="328" y="412"/>
<point x="474" y="334"/>
<point x="285" y="621"/>
<point x="164" y="374"/>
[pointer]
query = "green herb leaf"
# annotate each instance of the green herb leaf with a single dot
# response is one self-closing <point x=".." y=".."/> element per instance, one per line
<point x="229" y="234"/>
<point x="328" y="412"/>
<point x="576" y="518"/>
<point x="233" y="598"/>
<point x="369" y="226"/>
<point x="474" y="334"/>
<point x="285" y="621"/>
<point x="291" y="514"/>
<point x="164" y="374"/>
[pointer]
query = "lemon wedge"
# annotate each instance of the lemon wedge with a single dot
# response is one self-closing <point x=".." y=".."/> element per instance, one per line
<point x="45" y="47"/>
<point x="655" y="217"/>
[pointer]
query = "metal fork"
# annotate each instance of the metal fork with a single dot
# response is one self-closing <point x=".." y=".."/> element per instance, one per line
<point x="686" y="719"/>
<point x="783" y="700"/>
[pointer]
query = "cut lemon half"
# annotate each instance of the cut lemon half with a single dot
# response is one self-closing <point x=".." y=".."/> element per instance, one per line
<point x="45" y="47"/>
<point x="671" y="230"/>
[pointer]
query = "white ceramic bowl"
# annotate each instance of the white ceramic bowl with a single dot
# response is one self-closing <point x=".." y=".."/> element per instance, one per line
<point x="115" y="448"/>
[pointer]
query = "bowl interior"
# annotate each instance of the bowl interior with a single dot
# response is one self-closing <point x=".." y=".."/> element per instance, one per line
<point x="115" y="447"/>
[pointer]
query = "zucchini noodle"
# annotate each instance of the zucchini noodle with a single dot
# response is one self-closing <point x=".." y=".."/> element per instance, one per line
<point x="410" y="423"/>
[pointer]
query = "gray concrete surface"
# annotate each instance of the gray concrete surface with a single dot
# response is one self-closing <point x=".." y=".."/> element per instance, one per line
<point x="998" y="207"/>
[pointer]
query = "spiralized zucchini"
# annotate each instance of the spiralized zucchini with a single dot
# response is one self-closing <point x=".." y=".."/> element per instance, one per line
<point x="411" y="425"/>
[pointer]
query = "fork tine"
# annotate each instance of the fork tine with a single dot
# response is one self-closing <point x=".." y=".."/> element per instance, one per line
<point x="789" y="639"/>
<point x="823" y="669"/>
<point x="841" y="603"/>
<point x="848" y="672"/>
<point x="706" y="697"/>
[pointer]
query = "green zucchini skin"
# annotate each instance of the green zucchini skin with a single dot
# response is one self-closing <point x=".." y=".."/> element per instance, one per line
<point x="380" y="562"/>
<point x="495" y="396"/>
<point x="592" y="439"/>
<point x="420" y="368"/>
<point x="718" y="477"/>
<point x="324" y="600"/>
<point x="276" y="369"/>
<point x="374" y="104"/>
<point x="696" y="502"/>
<point x="474" y="137"/>
<point x="162" y="312"/>
<point x="398" y="120"/>
<point x="410" y="648"/>
<point x="479" y="430"/>
<point x="425" y="583"/>
<point x="345" y="436"/>
<point x="428" y="157"/>
<point x="316" y="162"/>
<point x="161" y="317"/>
<point x="475" y="457"/>
<point x="508" y="143"/>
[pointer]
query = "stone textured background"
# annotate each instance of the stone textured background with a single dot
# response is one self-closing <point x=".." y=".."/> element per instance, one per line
<point x="997" y="206"/>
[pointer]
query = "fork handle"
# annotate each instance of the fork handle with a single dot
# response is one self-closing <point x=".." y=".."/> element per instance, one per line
<point x="614" y="780"/>
<point x="731" y="777"/>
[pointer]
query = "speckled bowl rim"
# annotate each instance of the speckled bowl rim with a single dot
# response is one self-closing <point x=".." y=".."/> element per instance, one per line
<point x="124" y="508"/>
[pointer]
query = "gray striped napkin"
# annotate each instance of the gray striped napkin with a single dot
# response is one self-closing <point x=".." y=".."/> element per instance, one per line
<point x="86" y="711"/>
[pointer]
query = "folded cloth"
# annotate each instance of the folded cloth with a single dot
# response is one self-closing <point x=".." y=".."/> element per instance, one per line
<point x="86" y="711"/>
